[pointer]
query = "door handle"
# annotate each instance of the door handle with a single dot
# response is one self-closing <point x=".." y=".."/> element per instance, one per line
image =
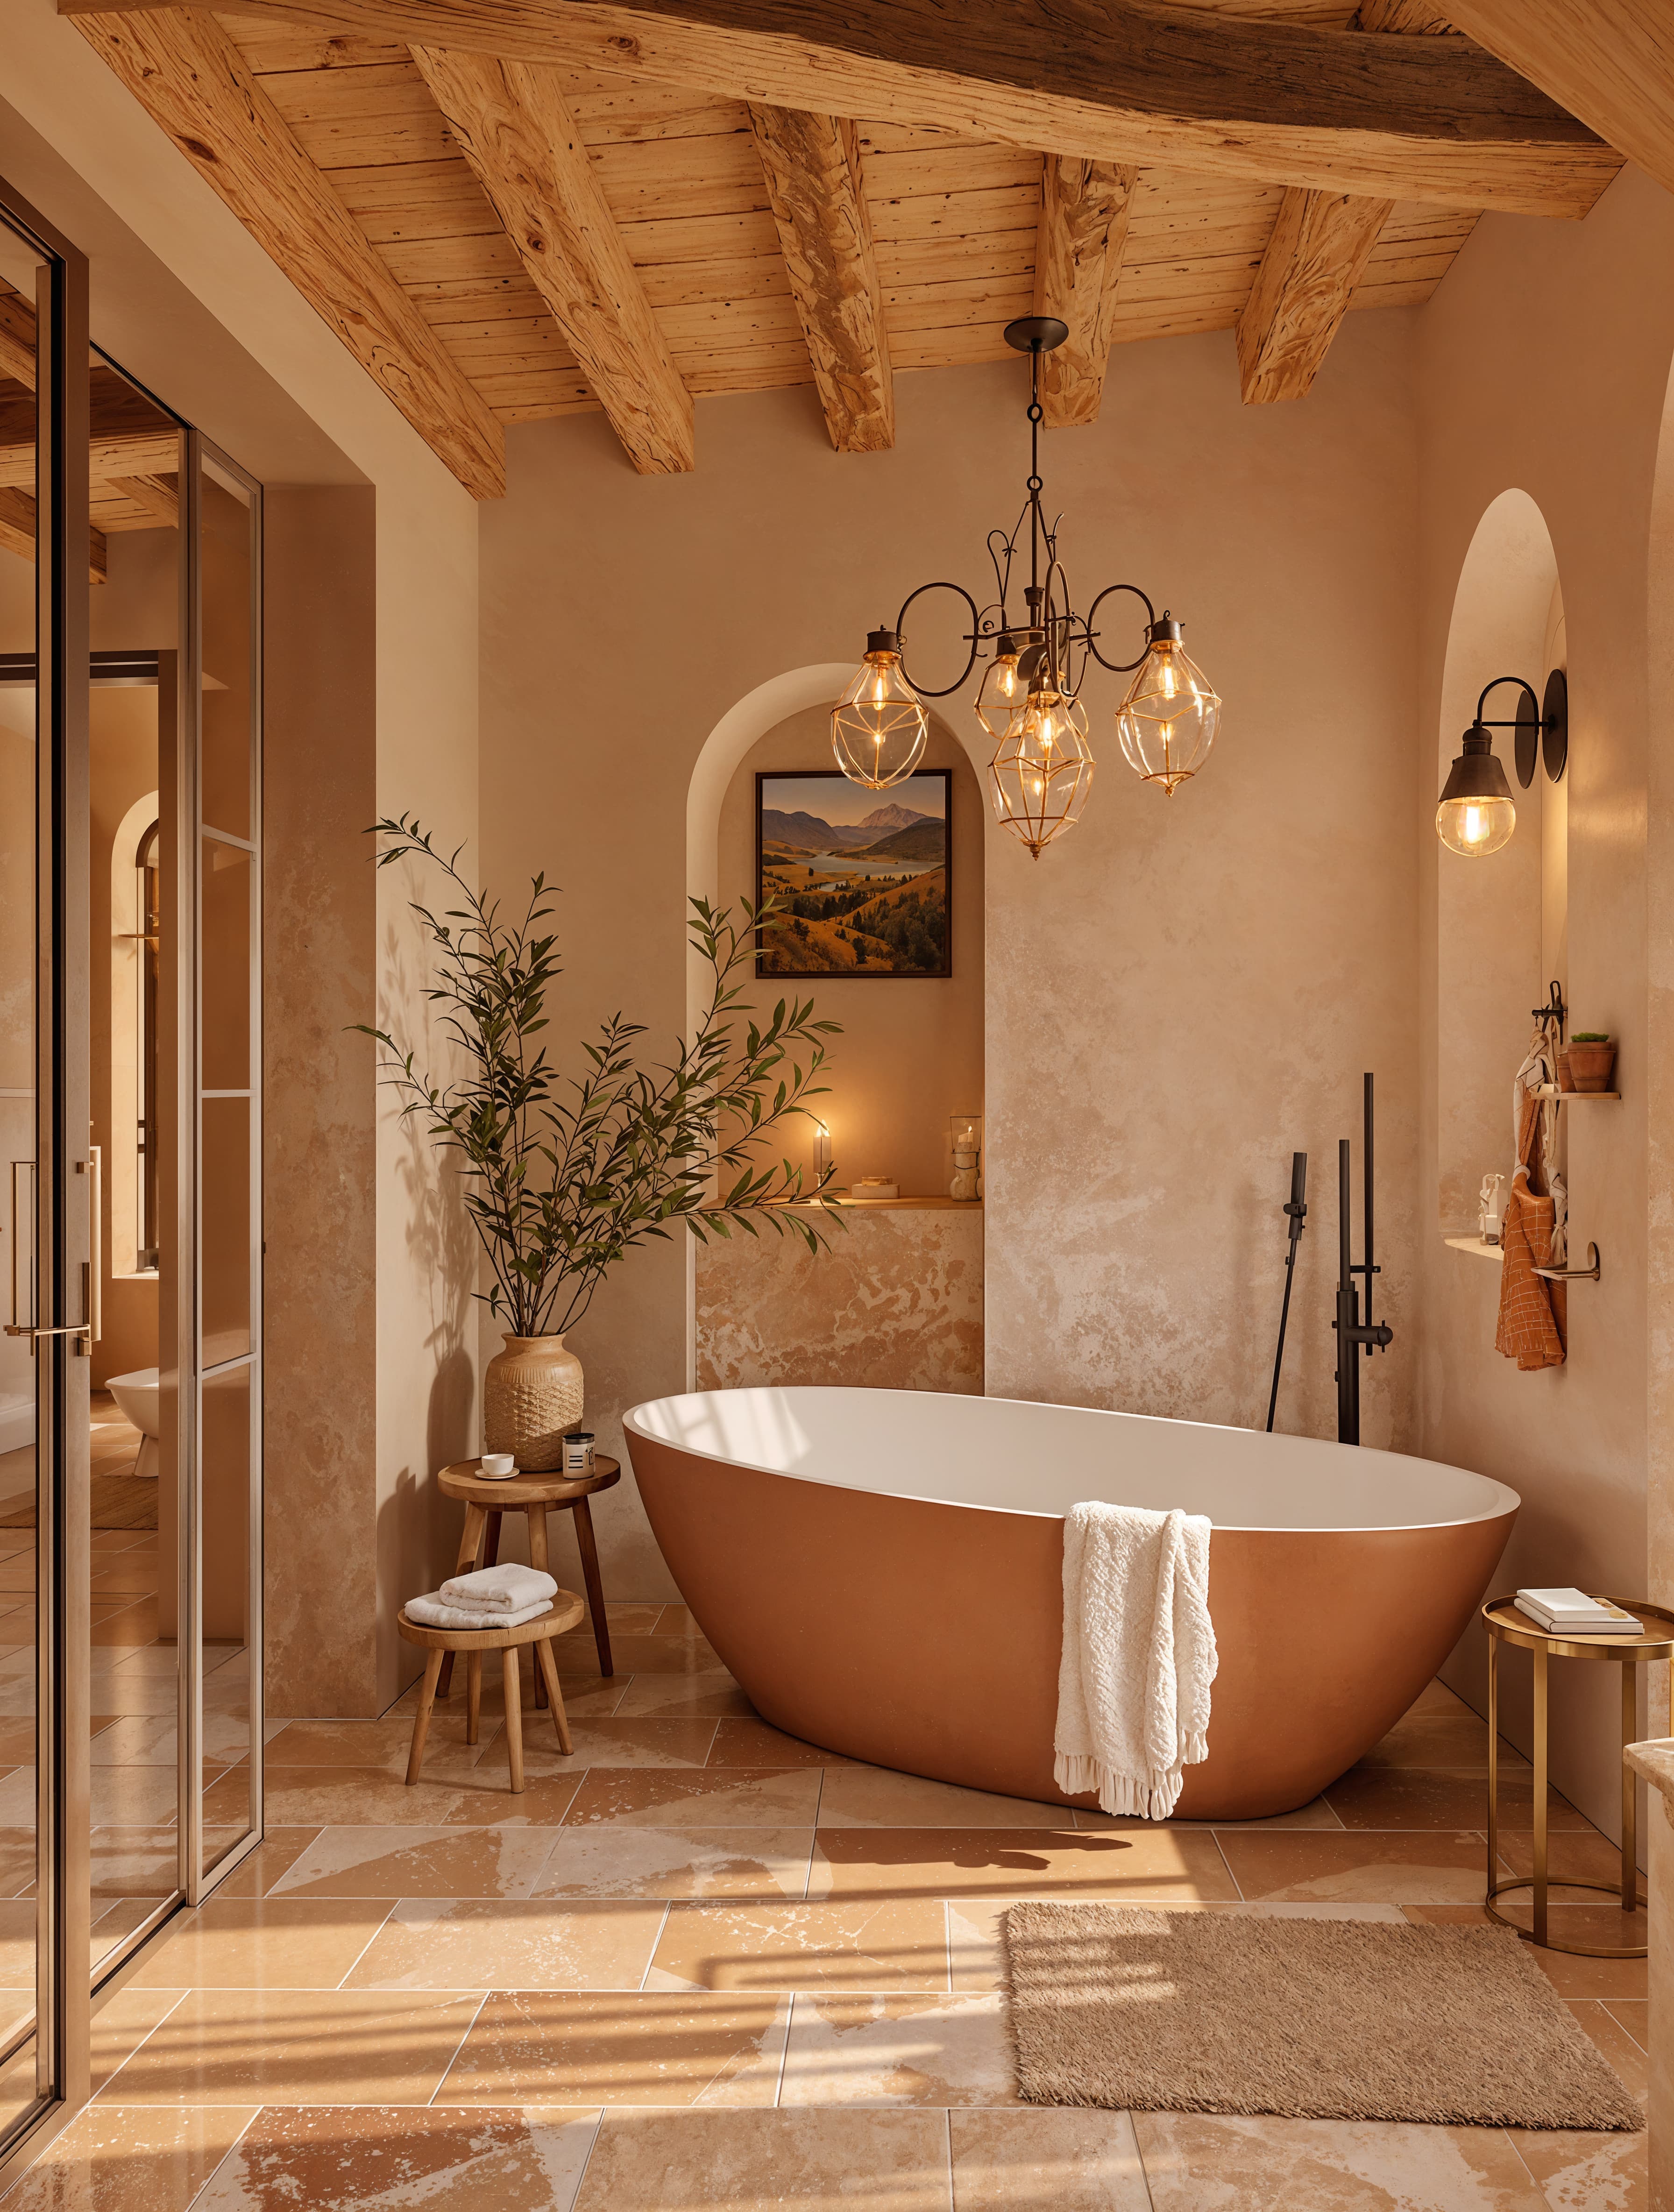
<point x="86" y="1330"/>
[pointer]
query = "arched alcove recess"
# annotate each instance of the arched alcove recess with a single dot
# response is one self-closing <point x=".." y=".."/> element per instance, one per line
<point x="781" y="724"/>
<point x="1501" y="920"/>
<point x="1659" y="1045"/>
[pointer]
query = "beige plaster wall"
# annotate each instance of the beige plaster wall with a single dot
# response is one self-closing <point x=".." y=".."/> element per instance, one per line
<point x="1575" y="422"/>
<point x="1178" y="994"/>
<point x="910" y="1054"/>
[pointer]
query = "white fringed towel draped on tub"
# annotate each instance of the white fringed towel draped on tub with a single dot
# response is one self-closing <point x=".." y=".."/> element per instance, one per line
<point x="1138" y="1659"/>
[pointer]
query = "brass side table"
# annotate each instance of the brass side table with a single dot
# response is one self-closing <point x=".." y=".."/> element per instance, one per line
<point x="1505" y="1625"/>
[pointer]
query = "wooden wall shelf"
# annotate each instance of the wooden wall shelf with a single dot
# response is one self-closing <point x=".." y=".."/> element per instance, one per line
<point x="1569" y="1097"/>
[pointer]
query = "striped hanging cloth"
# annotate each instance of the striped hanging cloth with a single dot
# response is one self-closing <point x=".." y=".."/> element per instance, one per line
<point x="1532" y="1309"/>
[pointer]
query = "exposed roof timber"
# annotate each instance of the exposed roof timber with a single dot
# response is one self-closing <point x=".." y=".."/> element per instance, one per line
<point x="130" y="434"/>
<point x="516" y="129"/>
<point x="1138" y="81"/>
<point x="1319" y="251"/>
<point x="1611" y="62"/>
<point x="1408" y="16"/>
<point x="181" y="66"/>
<point x="17" y="336"/>
<point x="156" y="495"/>
<point x="17" y="532"/>
<point x="811" y="166"/>
<point x="1084" y="208"/>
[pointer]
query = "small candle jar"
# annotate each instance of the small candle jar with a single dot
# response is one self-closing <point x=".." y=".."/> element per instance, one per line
<point x="578" y="1452"/>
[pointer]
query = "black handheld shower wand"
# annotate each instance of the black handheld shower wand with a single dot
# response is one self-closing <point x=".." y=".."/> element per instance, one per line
<point x="1297" y="1212"/>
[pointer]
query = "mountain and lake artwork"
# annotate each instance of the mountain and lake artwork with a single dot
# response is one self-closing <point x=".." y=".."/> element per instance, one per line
<point x="862" y="873"/>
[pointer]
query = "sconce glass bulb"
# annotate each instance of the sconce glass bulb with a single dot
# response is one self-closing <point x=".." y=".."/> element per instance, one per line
<point x="878" y="726"/>
<point x="1167" y="722"/>
<point x="1042" y="769"/>
<point x="1475" y="814"/>
<point x="1000" y="691"/>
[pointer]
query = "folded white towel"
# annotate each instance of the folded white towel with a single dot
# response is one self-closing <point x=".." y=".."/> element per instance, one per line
<point x="435" y="1612"/>
<point x="1138" y="1657"/>
<point x="506" y="1588"/>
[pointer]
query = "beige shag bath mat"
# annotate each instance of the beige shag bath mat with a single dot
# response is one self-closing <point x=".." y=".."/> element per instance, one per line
<point x="1318" y="2020"/>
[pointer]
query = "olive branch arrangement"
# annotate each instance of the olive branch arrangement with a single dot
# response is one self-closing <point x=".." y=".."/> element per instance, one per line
<point x="565" y="1173"/>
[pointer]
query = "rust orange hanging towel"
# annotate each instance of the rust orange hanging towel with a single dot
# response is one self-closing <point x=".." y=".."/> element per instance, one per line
<point x="1529" y="1330"/>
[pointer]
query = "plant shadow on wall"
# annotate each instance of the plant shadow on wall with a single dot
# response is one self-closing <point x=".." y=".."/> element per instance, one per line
<point x="567" y="1172"/>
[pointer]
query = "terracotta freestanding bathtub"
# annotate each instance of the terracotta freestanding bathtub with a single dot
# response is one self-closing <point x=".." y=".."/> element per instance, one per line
<point x="881" y="1570"/>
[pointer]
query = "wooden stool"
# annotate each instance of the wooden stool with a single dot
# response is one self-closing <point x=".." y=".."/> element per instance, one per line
<point x="442" y="1642"/>
<point x="485" y="1500"/>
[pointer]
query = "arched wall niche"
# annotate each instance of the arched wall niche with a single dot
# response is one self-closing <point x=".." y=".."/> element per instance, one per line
<point x="1502" y="921"/>
<point x="911" y="1051"/>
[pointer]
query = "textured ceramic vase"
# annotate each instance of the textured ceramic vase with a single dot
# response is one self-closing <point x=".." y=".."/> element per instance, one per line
<point x="532" y="1393"/>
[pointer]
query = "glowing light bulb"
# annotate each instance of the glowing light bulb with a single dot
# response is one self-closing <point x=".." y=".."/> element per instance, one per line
<point x="1476" y="815"/>
<point x="878" y="726"/>
<point x="1168" y="722"/>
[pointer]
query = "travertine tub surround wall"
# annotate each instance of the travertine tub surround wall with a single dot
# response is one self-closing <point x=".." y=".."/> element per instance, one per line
<point x="1574" y="423"/>
<point x="1179" y="993"/>
<point x="896" y="1301"/>
<point x="910" y="1054"/>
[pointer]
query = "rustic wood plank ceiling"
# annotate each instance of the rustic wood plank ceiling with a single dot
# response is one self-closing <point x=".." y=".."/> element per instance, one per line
<point x="951" y="238"/>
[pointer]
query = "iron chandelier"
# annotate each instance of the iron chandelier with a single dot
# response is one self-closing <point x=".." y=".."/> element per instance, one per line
<point x="1029" y="699"/>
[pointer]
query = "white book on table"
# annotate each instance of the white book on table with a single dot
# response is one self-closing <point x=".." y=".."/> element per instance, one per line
<point x="1556" y="1610"/>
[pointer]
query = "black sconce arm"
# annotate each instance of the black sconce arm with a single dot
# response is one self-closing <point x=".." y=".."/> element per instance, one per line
<point x="1542" y="725"/>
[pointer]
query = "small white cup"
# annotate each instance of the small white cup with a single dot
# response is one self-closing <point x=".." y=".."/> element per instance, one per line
<point x="498" y="1465"/>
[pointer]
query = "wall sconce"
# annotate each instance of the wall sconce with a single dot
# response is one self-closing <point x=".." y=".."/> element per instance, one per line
<point x="1477" y="814"/>
<point x="822" y="1155"/>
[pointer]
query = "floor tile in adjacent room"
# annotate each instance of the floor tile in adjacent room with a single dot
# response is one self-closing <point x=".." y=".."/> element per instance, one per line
<point x="418" y="1862"/>
<point x="265" y="1943"/>
<point x="1395" y="1867"/>
<point x="814" y="2160"/>
<point x="745" y="1797"/>
<point x="581" y="2048"/>
<point x="297" y="2047"/>
<point x="898" y="1944"/>
<point x="1198" y="2163"/>
<point x="618" y="1859"/>
<point x="874" y="2049"/>
<point x="1047" y="2161"/>
<point x="454" y="1943"/>
<point x="112" y="2159"/>
<point x="1145" y="1865"/>
<point x="337" y="2160"/>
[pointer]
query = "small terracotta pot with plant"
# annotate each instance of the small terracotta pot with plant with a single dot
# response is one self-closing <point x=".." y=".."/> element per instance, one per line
<point x="1592" y="1060"/>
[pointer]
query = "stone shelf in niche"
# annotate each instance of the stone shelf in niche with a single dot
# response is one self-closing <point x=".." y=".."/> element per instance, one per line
<point x="898" y="1204"/>
<point x="1569" y="1097"/>
<point x="1495" y="1252"/>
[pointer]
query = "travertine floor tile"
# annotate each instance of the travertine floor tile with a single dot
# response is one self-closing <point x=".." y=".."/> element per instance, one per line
<point x="896" y="2049"/>
<point x="753" y="1744"/>
<point x="1588" y="1858"/>
<point x="1195" y="2163"/>
<point x="1410" y="1867"/>
<point x="1570" y="1976"/>
<point x="278" y="1849"/>
<point x="297" y="2047"/>
<point x="1635" y="2018"/>
<point x="976" y="1941"/>
<point x="621" y="2049"/>
<point x="375" y="2158"/>
<point x="17" y="1859"/>
<point x="876" y="1798"/>
<point x="1455" y="1738"/>
<point x="853" y="1944"/>
<point x="615" y="1742"/>
<point x="682" y="1697"/>
<point x="263" y="1942"/>
<point x="418" y="1862"/>
<point x="130" y="1861"/>
<point x="1587" y="2173"/>
<point x="1626" y="2056"/>
<point x="1316" y="1813"/>
<point x="1148" y="1865"/>
<point x="383" y="1743"/>
<point x="1047" y="2161"/>
<point x="500" y="1944"/>
<point x="358" y="1796"/>
<point x="816" y="2161"/>
<point x="620" y="1859"/>
<point x="112" y="2159"/>
<point x="1436" y="1698"/>
<point x="121" y="2022"/>
<point x="578" y="1654"/>
<point x="676" y="1620"/>
<point x="1439" y="1797"/>
<point x="744" y="1798"/>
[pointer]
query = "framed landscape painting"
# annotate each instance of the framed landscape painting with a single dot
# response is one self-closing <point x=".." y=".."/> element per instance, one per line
<point x="865" y="874"/>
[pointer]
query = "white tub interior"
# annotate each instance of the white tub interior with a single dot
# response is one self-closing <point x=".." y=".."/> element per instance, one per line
<point x="1011" y="1455"/>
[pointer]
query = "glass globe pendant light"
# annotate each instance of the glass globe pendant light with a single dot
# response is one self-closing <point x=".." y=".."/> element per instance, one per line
<point x="1168" y="720"/>
<point x="1042" y="769"/>
<point x="1029" y="700"/>
<point x="878" y="726"/>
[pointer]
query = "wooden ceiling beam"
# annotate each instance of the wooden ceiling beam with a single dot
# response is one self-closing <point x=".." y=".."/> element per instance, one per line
<point x="17" y="337"/>
<point x="1317" y="252"/>
<point x="812" y="166"/>
<point x="1083" y="231"/>
<point x="17" y="532"/>
<point x="514" y="128"/>
<point x="156" y="495"/>
<point x="185" y="70"/>
<point x="1127" y="80"/>
<point x="1410" y="16"/>
<point x="144" y="453"/>
<point x="1609" y="62"/>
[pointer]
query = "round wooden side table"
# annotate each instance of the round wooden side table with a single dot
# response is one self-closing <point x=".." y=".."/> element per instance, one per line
<point x="1506" y="1624"/>
<point x="536" y="1495"/>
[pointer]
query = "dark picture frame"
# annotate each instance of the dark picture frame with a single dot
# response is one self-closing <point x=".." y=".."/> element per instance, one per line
<point x="829" y="939"/>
